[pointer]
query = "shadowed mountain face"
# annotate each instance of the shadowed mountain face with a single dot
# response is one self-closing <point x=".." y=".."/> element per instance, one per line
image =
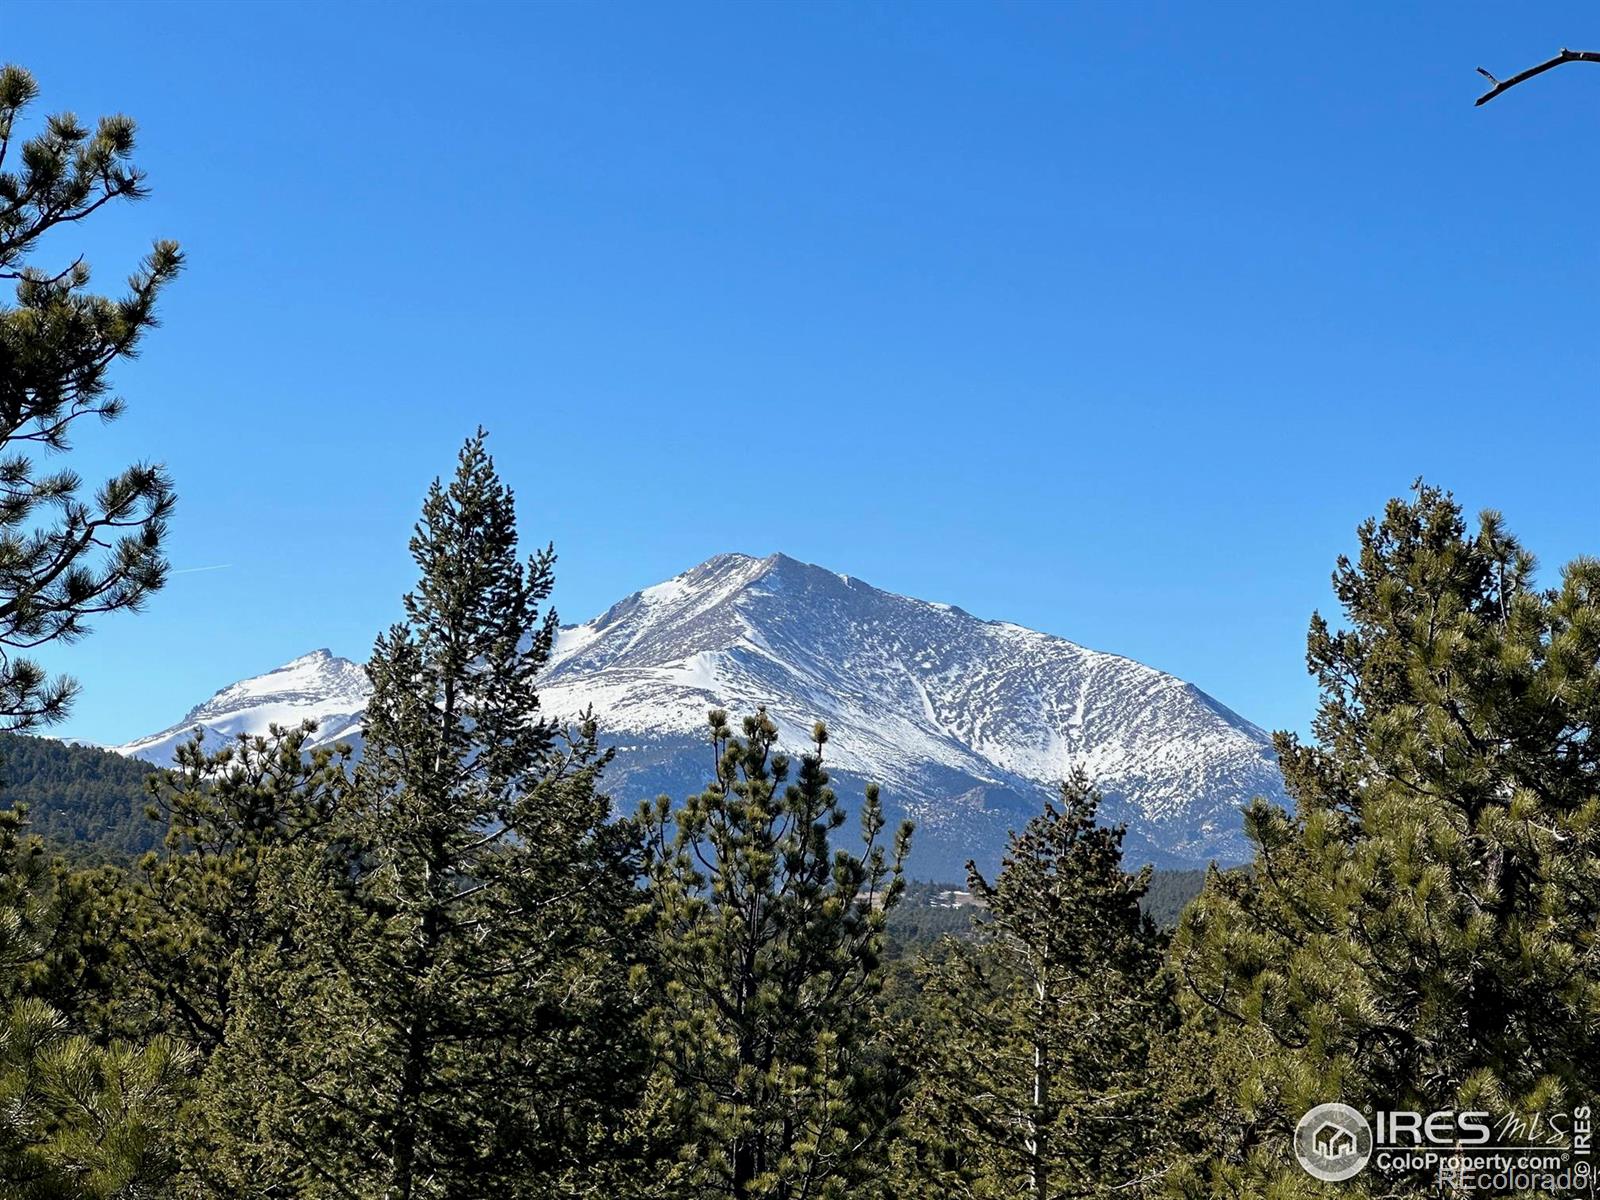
<point x="967" y="724"/>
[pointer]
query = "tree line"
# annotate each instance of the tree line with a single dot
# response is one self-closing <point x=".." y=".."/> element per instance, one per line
<point x="449" y="969"/>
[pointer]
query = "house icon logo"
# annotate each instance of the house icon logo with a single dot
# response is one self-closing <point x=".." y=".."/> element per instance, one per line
<point x="1333" y="1142"/>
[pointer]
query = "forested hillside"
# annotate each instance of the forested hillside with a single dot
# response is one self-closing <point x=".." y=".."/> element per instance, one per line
<point x="80" y="797"/>
<point x="93" y="803"/>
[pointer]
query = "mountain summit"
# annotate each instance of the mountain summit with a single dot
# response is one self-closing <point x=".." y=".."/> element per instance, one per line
<point x="320" y="685"/>
<point x="967" y="724"/>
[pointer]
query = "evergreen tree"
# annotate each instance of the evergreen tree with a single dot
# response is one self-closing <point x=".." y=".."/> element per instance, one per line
<point x="1420" y="932"/>
<point x="64" y="558"/>
<point x="78" y="1120"/>
<point x="775" y="1078"/>
<point x="196" y="911"/>
<point x="120" y="988"/>
<point x="453" y="1020"/>
<point x="1034" y="1039"/>
<point x="85" y="1122"/>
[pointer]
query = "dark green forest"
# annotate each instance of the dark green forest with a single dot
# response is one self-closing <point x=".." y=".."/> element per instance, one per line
<point x="455" y="967"/>
<point x="81" y="799"/>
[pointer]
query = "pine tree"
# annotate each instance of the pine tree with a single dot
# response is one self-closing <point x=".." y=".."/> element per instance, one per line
<point x="1420" y="932"/>
<point x="1034" y="1039"/>
<point x="81" y="1120"/>
<point x="184" y="928"/>
<point x="453" y="1020"/>
<point x="65" y="559"/>
<point x="775" y="1078"/>
<point x="195" y="911"/>
<point x="85" y="1122"/>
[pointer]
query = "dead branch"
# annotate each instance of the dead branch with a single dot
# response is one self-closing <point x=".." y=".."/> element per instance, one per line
<point x="1501" y="85"/>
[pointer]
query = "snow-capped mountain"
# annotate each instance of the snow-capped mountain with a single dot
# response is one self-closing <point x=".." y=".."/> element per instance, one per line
<point x="320" y="685"/>
<point x="967" y="724"/>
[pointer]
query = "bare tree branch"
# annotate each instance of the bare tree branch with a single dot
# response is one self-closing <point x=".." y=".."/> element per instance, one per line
<point x="1501" y="85"/>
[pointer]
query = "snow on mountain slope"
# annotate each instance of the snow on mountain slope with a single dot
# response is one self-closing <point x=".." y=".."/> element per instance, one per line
<point x="320" y="685"/>
<point x="967" y="724"/>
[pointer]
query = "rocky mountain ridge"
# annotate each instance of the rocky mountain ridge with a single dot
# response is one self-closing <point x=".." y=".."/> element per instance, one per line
<point x="967" y="724"/>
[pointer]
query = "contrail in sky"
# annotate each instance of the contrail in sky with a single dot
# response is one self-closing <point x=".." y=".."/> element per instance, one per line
<point x="193" y="570"/>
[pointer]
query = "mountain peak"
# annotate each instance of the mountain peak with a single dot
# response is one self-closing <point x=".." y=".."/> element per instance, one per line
<point x="968" y="725"/>
<point x="318" y="686"/>
<point x="923" y="698"/>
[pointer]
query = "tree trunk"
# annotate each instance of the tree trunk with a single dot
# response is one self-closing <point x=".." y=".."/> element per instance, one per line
<point x="1038" y="1118"/>
<point x="413" y="1072"/>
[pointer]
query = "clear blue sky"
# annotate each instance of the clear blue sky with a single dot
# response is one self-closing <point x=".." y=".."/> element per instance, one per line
<point x="1108" y="319"/>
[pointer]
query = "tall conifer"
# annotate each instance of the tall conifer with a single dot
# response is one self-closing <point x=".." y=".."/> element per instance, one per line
<point x="80" y="1119"/>
<point x="1420" y="932"/>
<point x="1034" y="1039"/>
<point x="65" y="558"/>
<point x="775" y="1077"/>
<point x="461" y="1021"/>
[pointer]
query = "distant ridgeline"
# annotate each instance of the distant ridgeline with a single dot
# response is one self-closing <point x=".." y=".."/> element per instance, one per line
<point x="85" y="800"/>
<point x="92" y="802"/>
